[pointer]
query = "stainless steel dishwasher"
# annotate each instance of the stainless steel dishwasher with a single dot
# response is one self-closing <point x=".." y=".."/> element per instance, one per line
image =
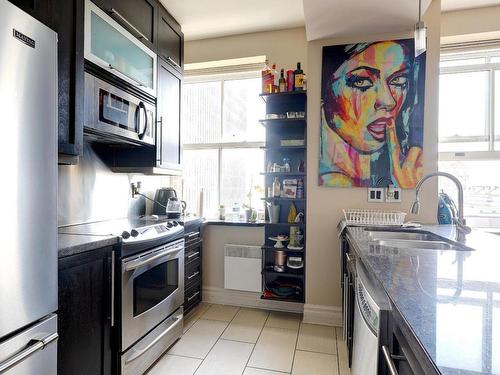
<point x="371" y="314"/>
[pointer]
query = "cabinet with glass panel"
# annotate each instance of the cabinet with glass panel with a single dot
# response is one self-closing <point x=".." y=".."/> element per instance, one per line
<point x="285" y="174"/>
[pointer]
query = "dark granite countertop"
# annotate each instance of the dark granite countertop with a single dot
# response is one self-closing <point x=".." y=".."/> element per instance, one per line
<point x="72" y="244"/>
<point x="450" y="300"/>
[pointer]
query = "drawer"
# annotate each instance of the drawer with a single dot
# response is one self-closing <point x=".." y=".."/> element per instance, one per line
<point x="192" y="296"/>
<point x="192" y="238"/>
<point x="192" y="273"/>
<point x="192" y="254"/>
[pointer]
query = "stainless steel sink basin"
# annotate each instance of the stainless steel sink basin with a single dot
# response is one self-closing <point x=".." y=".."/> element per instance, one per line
<point x="413" y="239"/>
<point x="401" y="235"/>
<point x="422" y="244"/>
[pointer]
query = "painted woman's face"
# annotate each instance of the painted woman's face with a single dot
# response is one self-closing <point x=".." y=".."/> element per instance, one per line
<point x="368" y="92"/>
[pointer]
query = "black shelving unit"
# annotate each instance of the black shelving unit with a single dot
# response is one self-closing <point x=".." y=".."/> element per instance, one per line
<point x="276" y="131"/>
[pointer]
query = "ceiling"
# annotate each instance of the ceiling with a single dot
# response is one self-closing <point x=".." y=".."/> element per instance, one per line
<point x="202" y="19"/>
<point x="449" y="5"/>
<point x="365" y="17"/>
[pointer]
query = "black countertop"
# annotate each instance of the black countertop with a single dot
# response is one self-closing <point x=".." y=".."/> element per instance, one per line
<point x="450" y="300"/>
<point x="72" y="244"/>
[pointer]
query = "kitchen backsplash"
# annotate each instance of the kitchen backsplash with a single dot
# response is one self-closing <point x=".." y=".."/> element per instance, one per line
<point x="90" y="191"/>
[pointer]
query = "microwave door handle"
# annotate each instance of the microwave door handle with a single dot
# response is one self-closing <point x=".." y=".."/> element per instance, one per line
<point x="142" y="133"/>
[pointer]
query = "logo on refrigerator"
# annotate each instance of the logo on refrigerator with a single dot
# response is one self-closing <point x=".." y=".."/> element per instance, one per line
<point x="23" y="38"/>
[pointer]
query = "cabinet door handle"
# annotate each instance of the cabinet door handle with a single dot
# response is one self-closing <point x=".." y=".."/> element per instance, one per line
<point x="195" y="234"/>
<point x="113" y="289"/>
<point x="171" y="61"/>
<point x="193" y="275"/>
<point x="194" y="295"/>
<point x="193" y="255"/>
<point x="125" y="76"/>
<point x="139" y="35"/>
<point x="388" y="360"/>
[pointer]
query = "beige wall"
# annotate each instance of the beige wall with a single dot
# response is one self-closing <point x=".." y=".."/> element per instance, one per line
<point x="324" y="204"/>
<point x="479" y="23"/>
<point x="214" y="239"/>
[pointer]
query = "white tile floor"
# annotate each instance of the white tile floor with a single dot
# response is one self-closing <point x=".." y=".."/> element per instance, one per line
<point x="227" y="340"/>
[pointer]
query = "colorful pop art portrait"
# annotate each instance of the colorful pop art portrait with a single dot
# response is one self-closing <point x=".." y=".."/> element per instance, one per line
<point x="372" y="114"/>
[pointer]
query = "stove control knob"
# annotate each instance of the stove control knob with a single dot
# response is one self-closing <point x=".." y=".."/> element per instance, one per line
<point x="175" y="223"/>
<point x="134" y="233"/>
<point x="125" y="235"/>
<point x="169" y="225"/>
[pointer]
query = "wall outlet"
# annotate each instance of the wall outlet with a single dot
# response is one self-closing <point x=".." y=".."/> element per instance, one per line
<point x="393" y="194"/>
<point x="376" y="195"/>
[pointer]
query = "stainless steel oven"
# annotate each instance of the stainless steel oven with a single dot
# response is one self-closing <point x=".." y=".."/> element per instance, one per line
<point x="112" y="113"/>
<point x="152" y="289"/>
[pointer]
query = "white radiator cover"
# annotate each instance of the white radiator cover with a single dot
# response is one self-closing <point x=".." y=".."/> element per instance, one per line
<point x="242" y="267"/>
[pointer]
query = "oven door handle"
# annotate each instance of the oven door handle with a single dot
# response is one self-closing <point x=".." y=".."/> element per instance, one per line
<point x="134" y="264"/>
<point x="139" y="353"/>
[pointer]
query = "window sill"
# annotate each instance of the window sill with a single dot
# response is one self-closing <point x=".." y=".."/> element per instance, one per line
<point x="235" y="223"/>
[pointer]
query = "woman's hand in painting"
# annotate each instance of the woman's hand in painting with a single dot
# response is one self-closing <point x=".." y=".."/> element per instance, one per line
<point x="408" y="172"/>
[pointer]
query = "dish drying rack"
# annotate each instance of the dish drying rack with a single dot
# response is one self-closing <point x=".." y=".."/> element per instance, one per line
<point x="355" y="216"/>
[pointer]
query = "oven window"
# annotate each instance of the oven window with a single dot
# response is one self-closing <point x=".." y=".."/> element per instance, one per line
<point x="155" y="285"/>
<point x="114" y="110"/>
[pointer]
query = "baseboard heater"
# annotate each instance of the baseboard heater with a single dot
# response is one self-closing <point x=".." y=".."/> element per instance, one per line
<point x="242" y="267"/>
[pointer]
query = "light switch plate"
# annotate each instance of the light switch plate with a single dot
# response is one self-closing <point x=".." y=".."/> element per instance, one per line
<point x="393" y="194"/>
<point x="376" y="195"/>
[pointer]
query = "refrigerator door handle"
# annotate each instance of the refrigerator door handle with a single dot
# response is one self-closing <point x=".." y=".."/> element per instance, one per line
<point x="33" y="346"/>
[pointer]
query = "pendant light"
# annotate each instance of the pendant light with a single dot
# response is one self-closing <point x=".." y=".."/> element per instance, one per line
<point x="420" y="33"/>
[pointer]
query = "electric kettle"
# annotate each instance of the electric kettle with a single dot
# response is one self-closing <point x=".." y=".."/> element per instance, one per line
<point x="174" y="208"/>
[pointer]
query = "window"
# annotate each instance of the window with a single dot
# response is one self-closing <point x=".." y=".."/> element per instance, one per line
<point x="469" y="131"/>
<point x="222" y="141"/>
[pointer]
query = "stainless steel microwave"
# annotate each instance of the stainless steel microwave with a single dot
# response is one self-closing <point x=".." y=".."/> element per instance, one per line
<point x="117" y="116"/>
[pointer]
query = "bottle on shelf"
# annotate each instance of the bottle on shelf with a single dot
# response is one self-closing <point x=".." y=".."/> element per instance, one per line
<point x="267" y="79"/>
<point x="298" y="78"/>
<point x="289" y="80"/>
<point x="276" y="79"/>
<point x="276" y="187"/>
<point x="282" y="81"/>
<point x="300" y="188"/>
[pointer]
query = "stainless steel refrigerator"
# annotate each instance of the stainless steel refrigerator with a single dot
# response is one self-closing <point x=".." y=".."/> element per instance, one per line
<point x="28" y="187"/>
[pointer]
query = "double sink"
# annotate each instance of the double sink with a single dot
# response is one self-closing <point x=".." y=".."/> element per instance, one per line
<point x="413" y="239"/>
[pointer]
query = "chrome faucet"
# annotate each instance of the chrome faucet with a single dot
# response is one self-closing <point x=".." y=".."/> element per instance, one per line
<point x="458" y="218"/>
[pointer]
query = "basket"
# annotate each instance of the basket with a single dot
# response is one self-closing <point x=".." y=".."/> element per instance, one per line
<point x="354" y="216"/>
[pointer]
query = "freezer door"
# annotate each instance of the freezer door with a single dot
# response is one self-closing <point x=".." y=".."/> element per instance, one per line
<point x="28" y="153"/>
<point x="33" y="351"/>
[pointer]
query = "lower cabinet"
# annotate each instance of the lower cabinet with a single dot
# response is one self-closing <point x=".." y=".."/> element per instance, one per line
<point x="84" y="316"/>
<point x="193" y="274"/>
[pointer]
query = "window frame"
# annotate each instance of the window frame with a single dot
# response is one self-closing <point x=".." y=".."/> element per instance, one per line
<point x="220" y="146"/>
<point x="491" y="137"/>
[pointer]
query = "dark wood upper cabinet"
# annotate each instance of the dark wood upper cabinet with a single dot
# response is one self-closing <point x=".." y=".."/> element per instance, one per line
<point x="170" y="39"/>
<point x="137" y="16"/>
<point x="168" y="143"/>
